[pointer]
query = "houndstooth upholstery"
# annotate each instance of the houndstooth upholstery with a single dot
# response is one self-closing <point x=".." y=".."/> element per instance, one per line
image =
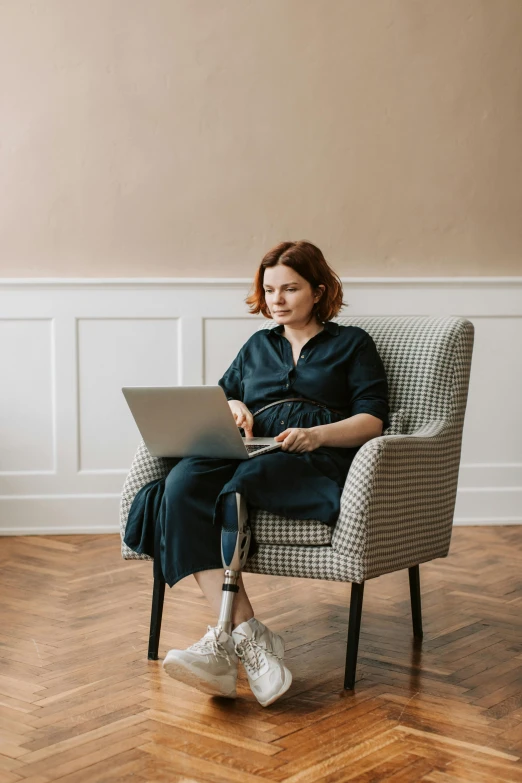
<point x="399" y="497"/>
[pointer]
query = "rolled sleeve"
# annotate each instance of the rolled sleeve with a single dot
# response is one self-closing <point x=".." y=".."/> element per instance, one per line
<point x="231" y="382"/>
<point x="368" y="383"/>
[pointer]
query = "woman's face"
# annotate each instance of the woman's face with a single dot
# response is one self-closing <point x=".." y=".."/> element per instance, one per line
<point x="289" y="297"/>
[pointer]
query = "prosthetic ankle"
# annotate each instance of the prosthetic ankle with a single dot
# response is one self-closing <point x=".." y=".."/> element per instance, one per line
<point x="235" y="541"/>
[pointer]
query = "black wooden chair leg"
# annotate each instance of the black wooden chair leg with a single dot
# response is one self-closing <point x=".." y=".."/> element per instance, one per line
<point x="158" y="595"/>
<point x="416" y="613"/>
<point x="354" y="627"/>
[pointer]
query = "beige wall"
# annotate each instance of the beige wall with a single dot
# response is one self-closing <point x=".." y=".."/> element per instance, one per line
<point x="144" y="138"/>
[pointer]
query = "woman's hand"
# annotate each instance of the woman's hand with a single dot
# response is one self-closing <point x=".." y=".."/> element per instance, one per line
<point x="242" y="416"/>
<point x="298" y="439"/>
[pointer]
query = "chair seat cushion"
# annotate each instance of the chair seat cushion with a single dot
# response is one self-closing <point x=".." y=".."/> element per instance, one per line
<point x="269" y="528"/>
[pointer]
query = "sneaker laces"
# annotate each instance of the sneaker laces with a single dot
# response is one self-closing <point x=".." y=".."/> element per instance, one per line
<point x="210" y="645"/>
<point x="249" y="652"/>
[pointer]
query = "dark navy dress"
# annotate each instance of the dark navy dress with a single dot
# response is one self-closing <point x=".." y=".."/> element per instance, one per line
<point x="176" y="519"/>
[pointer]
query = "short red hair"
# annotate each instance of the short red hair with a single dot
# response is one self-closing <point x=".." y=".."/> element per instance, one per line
<point x="309" y="262"/>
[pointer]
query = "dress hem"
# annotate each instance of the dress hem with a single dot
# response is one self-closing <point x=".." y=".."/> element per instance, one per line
<point x="195" y="571"/>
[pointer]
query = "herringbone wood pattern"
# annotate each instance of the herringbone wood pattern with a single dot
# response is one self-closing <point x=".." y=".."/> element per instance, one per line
<point x="81" y="702"/>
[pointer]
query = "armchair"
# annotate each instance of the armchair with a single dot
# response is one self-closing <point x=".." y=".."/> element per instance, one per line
<point x="398" y="501"/>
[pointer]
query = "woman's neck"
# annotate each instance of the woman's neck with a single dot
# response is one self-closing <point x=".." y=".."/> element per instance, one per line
<point x="304" y="334"/>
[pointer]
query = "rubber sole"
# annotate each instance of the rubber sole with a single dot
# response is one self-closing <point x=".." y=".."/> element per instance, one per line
<point x="213" y="686"/>
<point x="287" y="683"/>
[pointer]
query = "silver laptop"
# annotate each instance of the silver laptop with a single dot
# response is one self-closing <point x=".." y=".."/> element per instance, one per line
<point x="191" y="421"/>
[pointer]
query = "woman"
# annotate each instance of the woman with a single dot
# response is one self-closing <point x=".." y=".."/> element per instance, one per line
<point x="306" y="355"/>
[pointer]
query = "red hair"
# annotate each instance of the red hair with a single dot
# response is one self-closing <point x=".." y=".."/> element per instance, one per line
<point x="309" y="262"/>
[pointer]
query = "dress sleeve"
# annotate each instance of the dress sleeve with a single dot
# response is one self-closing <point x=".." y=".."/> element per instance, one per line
<point x="368" y="383"/>
<point x="231" y="380"/>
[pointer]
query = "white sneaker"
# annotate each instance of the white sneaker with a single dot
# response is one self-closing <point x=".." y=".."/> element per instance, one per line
<point x="210" y="665"/>
<point x="261" y="652"/>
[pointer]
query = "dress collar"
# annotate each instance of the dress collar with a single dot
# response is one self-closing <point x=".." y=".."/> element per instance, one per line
<point x="329" y="326"/>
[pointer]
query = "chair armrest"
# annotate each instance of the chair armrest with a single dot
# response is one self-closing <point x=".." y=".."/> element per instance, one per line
<point x="144" y="468"/>
<point x="398" y="500"/>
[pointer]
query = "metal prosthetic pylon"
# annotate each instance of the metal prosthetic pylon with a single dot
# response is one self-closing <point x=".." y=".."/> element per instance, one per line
<point x="235" y="541"/>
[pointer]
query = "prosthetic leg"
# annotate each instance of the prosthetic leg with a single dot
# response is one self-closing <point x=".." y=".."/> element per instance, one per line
<point x="235" y="541"/>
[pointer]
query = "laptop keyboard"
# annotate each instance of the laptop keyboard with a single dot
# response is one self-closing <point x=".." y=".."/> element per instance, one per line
<point x="251" y="447"/>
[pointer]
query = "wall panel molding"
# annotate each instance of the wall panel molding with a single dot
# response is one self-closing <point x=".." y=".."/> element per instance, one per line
<point x="103" y="334"/>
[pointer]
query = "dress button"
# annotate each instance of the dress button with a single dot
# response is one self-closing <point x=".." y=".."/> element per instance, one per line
<point x="287" y="385"/>
<point x="302" y="356"/>
<point x="282" y="421"/>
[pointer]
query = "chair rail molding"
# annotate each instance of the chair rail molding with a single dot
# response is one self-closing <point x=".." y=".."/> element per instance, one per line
<point x="67" y="346"/>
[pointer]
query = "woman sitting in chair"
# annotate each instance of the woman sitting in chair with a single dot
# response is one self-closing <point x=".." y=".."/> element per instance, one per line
<point x="338" y="378"/>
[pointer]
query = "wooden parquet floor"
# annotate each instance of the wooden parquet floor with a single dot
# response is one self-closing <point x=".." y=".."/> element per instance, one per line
<point x="79" y="701"/>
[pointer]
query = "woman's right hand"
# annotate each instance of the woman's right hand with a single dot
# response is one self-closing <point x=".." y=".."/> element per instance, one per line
<point x="242" y="416"/>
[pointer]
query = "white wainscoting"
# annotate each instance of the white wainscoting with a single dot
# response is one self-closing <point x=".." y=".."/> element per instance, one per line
<point x="67" y="347"/>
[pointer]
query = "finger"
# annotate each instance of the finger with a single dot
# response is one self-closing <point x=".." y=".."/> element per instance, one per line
<point x="293" y="443"/>
<point x="287" y="439"/>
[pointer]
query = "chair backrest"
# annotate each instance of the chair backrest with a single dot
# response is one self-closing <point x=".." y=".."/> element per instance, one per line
<point x="427" y="361"/>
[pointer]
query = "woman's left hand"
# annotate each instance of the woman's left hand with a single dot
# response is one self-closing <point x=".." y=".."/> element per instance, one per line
<point x="298" y="439"/>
